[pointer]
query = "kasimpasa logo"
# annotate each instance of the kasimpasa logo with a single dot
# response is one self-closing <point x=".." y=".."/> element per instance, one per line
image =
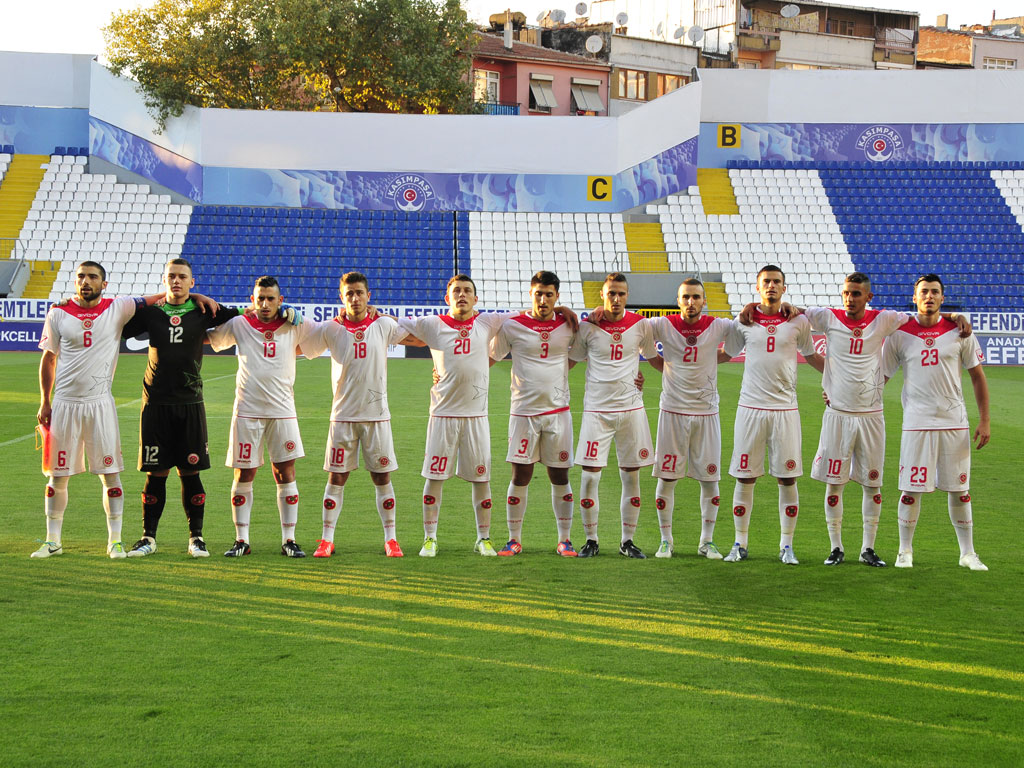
<point x="879" y="143"/>
<point x="410" y="192"/>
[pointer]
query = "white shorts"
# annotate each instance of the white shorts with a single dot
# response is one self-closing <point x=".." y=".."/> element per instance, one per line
<point x="758" y="430"/>
<point x="248" y="437"/>
<point x="547" y="439"/>
<point x="347" y="437"/>
<point x="451" y="439"/>
<point x="936" y="458"/>
<point x="80" y="429"/>
<point x="630" y="430"/>
<point x="688" y="446"/>
<point x="851" y="446"/>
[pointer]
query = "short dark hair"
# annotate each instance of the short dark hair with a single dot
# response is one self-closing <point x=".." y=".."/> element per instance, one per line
<point x="693" y="281"/>
<point x="179" y="261"/>
<point x="858" y="277"/>
<point x="266" y="281"/>
<point x="460" y="278"/>
<point x="543" y="277"/>
<point x="616" y="277"/>
<point x="351" y="278"/>
<point x="931" y="277"/>
<point x="103" y="272"/>
<point x="770" y="268"/>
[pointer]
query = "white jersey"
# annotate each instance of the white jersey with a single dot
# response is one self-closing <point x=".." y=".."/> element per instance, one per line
<point x="769" y="375"/>
<point x="540" y="363"/>
<point x="931" y="359"/>
<point x="460" y="349"/>
<point x="853" y="377"/>
<point x="264" y="385"/>
<point x="689" y="383"/>
<point x="359" y="365"/>
<point x="86" y="343"/>
<point x="612" y="351"/>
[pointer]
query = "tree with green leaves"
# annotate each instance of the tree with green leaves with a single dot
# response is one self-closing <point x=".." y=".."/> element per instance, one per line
<point x="339" y="55"/>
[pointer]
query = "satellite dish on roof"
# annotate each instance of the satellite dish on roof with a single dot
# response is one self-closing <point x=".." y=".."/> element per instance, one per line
<point x="660" y="31"/>
<point x="558" y="16"/>
<point x="581" y="9"/>
<point x="695" y="33"/>
<point x="594" y="43"/>
<point x="621" y="19"/>
<point x="540" y="16"/>
<point x="680" y="31"/>
<point x="789" y="11"/>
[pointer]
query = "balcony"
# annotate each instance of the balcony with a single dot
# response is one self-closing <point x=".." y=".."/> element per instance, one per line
<point x="499" y="107"/>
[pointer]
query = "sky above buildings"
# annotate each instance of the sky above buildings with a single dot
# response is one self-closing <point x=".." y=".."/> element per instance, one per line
<point x="74" y="26"/>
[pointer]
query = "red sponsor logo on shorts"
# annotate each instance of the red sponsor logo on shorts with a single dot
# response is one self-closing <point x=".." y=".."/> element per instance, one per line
<point x="198" y="499"/>
<point x="114" y="493"/>
<point x="50" y="492"/>
<point x="193" y="458"/>
<point x="486" y="503"/>
<point x="965" y="498"/>
<point x="790" y="463"/>
<point x="513" y="500"/>
<point x="739" y="511"/>
<point x="792" y="510"/>
<point x="293" y="499"/>
<point x="877" y="498"/>
<point x="563" y="456"/>
<point x="586" y="503"/>
<point x="963" y="477"/>
<point x="712" y="469"/>
<point x="635" y="501"/>
<point x="238" y="500"/>
<point x="716" y="501"/>
<point x="660" y="503"/>
<point x="149" y="498"/>
<point x="567" y="497"/>
<point x="428" y="500"/>
<point x="905" y="499"/>
<point x="481" y="469"/>
<point x="290" y="445"/>
<point x="644" y="453"/>
<point x="384" y="461"/>
<point x="268" y="335"/>
<point x="329" y="504"/>
<point x="108" y="461"/>
<point x="389" y="504"/>
<point x="832" y="500"/>
<point x="873" y="474"/>
<point x="175" y="320"/>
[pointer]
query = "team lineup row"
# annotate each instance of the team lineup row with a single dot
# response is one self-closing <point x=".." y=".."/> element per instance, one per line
<point x="865" y="347"/>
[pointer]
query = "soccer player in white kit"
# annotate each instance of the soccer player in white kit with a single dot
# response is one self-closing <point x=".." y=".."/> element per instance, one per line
<point x="613" y="409"/>
<point x="360" y="419"/>
<point x="540" y="425"/>
<point x="80" y="342"/>
<point x="689" y="442"/>
<point x="264" y="412"/>
<point x="935" y="448"/>
<point x="767" y="419"/>
<point x="458" y="433"/>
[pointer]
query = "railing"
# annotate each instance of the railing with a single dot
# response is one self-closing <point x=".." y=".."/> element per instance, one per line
<point x="898" y="40"/>
<point x="499" y="107"/>
<point x="12" y="259"/>
<point x="684" y="262"/>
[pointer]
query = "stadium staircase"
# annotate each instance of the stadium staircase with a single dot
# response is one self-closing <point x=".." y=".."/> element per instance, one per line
<point x="20" y="184"/>
<point x="716" y="191"/>
<point x="716" y="300"/>
<point x="645" y="246"/>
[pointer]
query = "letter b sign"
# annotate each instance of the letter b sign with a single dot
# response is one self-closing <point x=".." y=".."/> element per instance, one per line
<point x="728" y="136"/>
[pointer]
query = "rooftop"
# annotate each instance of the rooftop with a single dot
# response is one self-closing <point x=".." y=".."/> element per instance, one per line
<point x="493" y="46"/>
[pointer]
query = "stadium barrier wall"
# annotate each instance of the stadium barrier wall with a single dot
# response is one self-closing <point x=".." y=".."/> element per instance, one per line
<point x="37" y="130"/>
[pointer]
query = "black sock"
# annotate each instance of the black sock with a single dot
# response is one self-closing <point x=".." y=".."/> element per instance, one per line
<point x="193" y="498"/>
<point x="154" y="494"/>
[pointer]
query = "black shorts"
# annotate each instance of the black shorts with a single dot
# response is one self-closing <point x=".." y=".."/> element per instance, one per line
<point x="173" y="436"/>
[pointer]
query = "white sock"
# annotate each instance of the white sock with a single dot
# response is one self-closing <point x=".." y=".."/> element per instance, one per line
<point x="386" y="509"/>
<point x="590" y="504"/>
<point x="789" y="508"/>
<point x="708" y="509"/>
<point x="431" y="507"/>
<point x="241" y="508"/>
<point x="742" y="506"/>
<point x="870" y="511"/>
<point x="113" y="505"/>
<point x="288" y="508"/>
<point x="834" y="515"/>
<point x="665" y="502"/>
<point x="514" y="508"/>
<point x="561" y="503"/>
<point x="54" y="505"/>
<point x="960" y="517"/>
<point x="629" y="503"/>
<point x="908" y="512"/>
<point x="482" y="509"/>
<point x="334" y="498"/>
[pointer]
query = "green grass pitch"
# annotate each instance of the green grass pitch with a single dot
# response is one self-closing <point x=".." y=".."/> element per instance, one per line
<point x="462" y="660"/>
